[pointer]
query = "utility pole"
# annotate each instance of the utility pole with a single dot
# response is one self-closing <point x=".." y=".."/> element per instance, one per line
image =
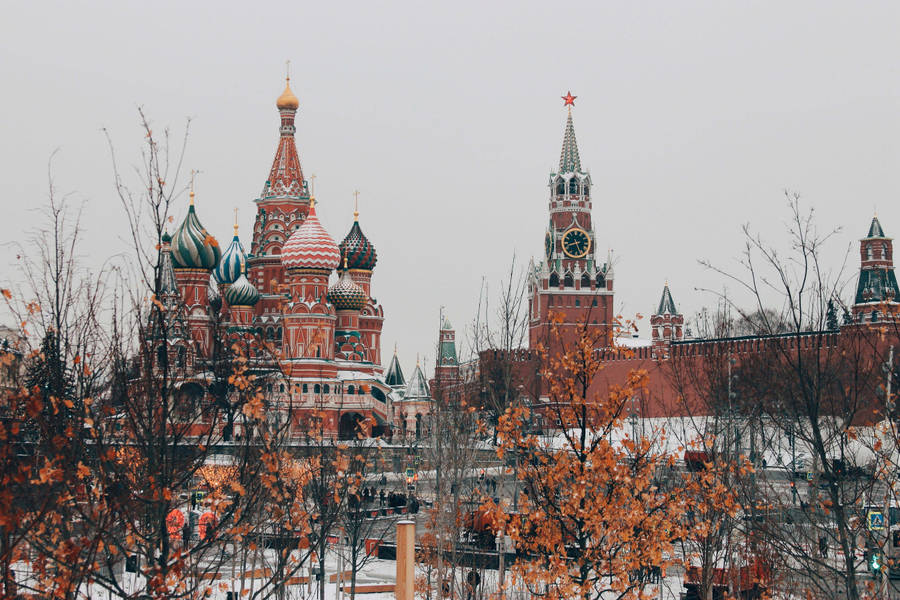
<point x="889" y="409"/>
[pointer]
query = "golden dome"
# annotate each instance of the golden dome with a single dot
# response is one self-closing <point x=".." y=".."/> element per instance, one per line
<point x="287" y="99"/>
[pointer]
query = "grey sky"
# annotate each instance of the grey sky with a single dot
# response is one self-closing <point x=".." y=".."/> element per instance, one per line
<point x="692" y="117"/>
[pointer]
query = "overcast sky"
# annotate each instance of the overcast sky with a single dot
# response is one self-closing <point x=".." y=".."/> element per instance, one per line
<point x="692" y="117"/>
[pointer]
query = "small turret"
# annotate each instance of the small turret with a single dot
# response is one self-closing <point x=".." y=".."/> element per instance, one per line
<point x="667" y="324"/>
<point x="877" y="294"/>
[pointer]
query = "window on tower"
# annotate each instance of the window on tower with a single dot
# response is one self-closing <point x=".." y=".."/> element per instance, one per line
<point x="554" y="280"/>
<point x="601" y="280"/>
<point x="568" y="280"/>
<point x="573" y="185"/>
<point x="560" y="186"/>
<point x="585" y="281"/>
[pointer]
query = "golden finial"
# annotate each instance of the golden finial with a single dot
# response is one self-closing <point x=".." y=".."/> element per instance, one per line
<point x="235" y="222"/>
<point x="667" y="282"/>
<point x="287" y="99"/>
<point x="417" y="360"/>
<point x="345" y="263"/>
<point x="312" y="184"/>
<point x="395" y="348"/>
<point x="356" y="205"/>
<point x="193" y="172"/>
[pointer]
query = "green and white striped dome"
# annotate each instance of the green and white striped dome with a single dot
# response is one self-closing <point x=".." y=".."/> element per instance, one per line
<point x="241" y="293"/>
<point x="192" y="246"/>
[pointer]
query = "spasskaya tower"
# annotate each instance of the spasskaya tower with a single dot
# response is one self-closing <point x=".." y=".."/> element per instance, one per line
<point x="569" y="281"/>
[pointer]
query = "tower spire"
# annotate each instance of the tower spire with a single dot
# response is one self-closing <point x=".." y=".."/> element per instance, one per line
<point x="356" y="205"/>
<point x="235" y="221"/>
<point x="286" y="177"/>
<point x="569" y="160"/>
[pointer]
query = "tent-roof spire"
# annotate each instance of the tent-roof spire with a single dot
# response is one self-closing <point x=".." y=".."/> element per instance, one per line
<point x="569" y="160"/>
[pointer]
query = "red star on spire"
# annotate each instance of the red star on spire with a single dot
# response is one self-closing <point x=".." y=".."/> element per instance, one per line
<point x="569" y="99"/>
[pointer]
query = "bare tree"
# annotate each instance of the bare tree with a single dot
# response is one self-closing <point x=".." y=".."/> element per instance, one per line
<point x="802" y="385"/>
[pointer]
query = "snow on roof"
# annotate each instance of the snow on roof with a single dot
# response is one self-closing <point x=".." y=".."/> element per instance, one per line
<point x="627" y="341"/>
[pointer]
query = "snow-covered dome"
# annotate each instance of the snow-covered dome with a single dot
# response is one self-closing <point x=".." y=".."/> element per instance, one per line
<point x="241" y="293"/>
<point x="192" y="246"/>
<point x="310" y="246"/>
<point x="346" y="294"/>
<point x="231" y="265"/>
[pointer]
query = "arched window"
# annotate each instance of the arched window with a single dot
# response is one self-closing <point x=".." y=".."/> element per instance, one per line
<point x="418" y="426"/>
<point x="884" y="251"/>
<point x="568" y="280"/>
<point x="573" y="185"/>
<point x="317" y="389"/>
<point x="281" y="388"/>
<point x="327" y="389"/>
<point x="560" y="186"/>
<point x="278" y="333"/>
<point x="577" y="302"/>
<point x="305" y="388"/>
<point x="868" y="251"/>
<point x="587" y="190"/>
<point x="585" y="281"/>
<point x="350" y="389"/>
<point x="554" y="280"/>
<point x="601" y="280"/>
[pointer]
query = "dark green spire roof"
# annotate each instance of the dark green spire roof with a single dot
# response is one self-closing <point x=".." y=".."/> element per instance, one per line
<point x="666" y="304"/>
<point x="877" y="285"/>
<point x="394" y="375"/>
<point x="875" y="230"/>
<point x="569" y="161"/>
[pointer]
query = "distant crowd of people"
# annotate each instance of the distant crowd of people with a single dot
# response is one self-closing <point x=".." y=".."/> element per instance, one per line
<point x="370" y="496"/>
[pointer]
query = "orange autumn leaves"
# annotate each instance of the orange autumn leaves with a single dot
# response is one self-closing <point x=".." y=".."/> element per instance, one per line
<point x="596" y="511"/>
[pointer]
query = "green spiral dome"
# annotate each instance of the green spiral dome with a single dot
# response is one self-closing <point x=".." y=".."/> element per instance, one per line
<point x="192" y="246"/>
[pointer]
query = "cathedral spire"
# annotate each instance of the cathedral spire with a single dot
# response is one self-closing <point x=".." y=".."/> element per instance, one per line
<point x="569" y="161"/>
<point x="286" y="177"/>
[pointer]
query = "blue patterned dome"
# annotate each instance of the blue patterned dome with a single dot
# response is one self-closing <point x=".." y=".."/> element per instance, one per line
<point x="241" y="293"/>
<point x="231" y="265"/>
<point x="345" y="294"/>
<point x="192" y="246"/>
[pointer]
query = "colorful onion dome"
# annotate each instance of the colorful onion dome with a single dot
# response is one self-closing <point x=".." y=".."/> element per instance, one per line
<point x="287" y="100"/>
<point x="241" y="293"/>
<point x="192" y="246"/>
<point x="357" y="249"/>
<point x="233" y="260"/>
<point x="345" y="294"/>
<point x="310" y="246"/>
<point x="213" y="296"/>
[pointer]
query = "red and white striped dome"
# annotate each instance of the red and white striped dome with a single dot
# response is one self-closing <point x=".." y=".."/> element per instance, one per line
<point x="310" y="246"/>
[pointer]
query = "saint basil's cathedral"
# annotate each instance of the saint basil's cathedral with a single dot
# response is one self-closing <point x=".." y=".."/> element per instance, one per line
<point x="327" y="338"/>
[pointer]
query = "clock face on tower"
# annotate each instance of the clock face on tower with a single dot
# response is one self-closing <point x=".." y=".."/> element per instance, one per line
<point x="576" y="243"/>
